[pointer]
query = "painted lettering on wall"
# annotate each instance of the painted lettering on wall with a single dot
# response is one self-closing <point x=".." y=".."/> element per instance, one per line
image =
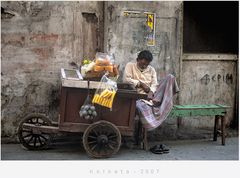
<point x="206" y="79"/>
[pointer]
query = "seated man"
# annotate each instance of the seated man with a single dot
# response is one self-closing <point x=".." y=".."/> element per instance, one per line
<point x="140" y="74"/>
<point x="143" y="77"/>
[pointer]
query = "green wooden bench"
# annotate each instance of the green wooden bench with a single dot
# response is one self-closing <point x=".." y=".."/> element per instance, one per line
<point x="217" y="110"/>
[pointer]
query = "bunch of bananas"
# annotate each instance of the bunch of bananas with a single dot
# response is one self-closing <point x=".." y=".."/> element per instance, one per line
<point x="105" y="98"/>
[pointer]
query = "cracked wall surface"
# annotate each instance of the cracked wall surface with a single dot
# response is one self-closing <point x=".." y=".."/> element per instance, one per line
<point x="37" y="40"/>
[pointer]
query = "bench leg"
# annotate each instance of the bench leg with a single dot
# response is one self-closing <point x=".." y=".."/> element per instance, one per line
<point x="140" y="132"/>
<point x="145" y="142"/>
<point x="223" y="129"/>
<point x="137" y="131"/>
<point x="215" y="128"/>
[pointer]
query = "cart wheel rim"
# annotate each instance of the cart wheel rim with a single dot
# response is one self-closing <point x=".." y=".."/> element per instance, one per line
<point x="31" y="140"/>
<point x="102" y="139"/>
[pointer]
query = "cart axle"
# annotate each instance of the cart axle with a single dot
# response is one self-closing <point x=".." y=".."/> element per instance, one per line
<point x="102" y="140"/>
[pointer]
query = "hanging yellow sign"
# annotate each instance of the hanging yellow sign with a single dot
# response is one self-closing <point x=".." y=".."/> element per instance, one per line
<point x="150" y="23"/>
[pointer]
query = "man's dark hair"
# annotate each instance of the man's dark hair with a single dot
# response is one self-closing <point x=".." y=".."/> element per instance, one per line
<point x="145" y="54"/>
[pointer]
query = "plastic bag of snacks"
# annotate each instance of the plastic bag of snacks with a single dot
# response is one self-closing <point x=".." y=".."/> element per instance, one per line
<point x="104" y="59"/>
<point x="88" y="110"/>
<point x="103" y="62"/>
<point x="105" y="92"/>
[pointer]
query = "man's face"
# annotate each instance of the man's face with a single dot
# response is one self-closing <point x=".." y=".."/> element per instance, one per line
<point x="142" y="63"/>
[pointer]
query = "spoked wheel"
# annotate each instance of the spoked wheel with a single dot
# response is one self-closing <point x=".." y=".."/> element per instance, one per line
<point x="30" y="138"/>
<point x="101" y="139"/>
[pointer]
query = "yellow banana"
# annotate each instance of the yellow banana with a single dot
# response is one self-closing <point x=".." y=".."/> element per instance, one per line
<point x="105" y="98"/>
<point x="110" y="94"/>
<point x="107" y="103"/>
<point x="104" y="92"/>
<point x="94" y="99"/>
<point x="107" y="94"/>
<point x="103" y="101"/>
<point x="111" y="100"/>
<point x="97" y="98"/>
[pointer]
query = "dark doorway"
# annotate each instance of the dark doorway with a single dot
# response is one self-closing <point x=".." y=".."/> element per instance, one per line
<point x="210" y="27"/>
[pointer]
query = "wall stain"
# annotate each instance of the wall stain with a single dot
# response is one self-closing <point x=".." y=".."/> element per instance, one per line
<point x="90" y="17"/>
<point x="44" y="37"/>
<point x="110" y="10"/>
<point x="5" y="14"/>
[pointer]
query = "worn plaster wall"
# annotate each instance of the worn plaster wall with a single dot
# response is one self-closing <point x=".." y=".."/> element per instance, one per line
<point x="37" y="39"/>
<point x="125" y="36"/>
<point x="209" y="79"/>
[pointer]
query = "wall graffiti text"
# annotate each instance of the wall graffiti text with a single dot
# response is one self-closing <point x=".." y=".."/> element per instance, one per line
<point x="206" y="79"/>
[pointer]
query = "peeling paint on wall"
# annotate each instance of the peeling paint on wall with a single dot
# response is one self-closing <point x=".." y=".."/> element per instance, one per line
<point x="38" y="39"/>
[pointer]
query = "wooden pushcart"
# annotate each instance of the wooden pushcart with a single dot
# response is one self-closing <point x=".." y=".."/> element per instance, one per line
<point x="101" y="136"/>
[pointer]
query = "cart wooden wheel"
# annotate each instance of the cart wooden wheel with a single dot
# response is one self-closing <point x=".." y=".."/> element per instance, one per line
<point x="31" y="139"/>
<point x="101" y="139"/>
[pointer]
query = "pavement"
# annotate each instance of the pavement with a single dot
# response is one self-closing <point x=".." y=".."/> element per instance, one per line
<point x="203" y="149"/>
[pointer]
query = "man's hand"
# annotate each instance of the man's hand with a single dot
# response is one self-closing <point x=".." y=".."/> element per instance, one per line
<point x="150" y="95"/>
<point x="144" y="87"/>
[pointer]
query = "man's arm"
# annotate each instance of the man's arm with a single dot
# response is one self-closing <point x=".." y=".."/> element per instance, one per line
<point x="146" y="88"/>
<point x="153" y="86"/>
<point x="128" y="75"/>
<point x="154" y="83"/>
